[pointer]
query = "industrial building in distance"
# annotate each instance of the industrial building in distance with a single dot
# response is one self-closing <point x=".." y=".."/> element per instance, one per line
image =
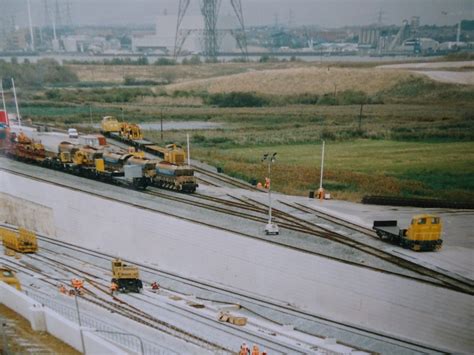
<point x="178" y="33"/>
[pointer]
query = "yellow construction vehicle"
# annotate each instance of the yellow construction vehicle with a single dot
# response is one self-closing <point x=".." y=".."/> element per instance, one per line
<point x="131" y="131"/>
<point x="126" y="277"/>
<point x="23" y="241"/>
<point x="8" y="276"/>
<point x="109" y="125"/>
<point x="423" y="234"/>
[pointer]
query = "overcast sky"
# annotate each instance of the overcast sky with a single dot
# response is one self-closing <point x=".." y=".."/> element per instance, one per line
<point x="325" y="13"/>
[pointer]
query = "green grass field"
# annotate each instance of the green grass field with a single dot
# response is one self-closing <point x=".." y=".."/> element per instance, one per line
<point x="415" y="136"/>
<point x="359" y="167"/>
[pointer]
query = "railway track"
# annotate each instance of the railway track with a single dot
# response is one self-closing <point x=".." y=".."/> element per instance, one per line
<point x="125" y="309"/>
<point x="98" y="295"/>
<point x="448" y="281"/>
<point x="225" y="179"/>
<point x="241" y="298"/>
<point x="298" y="225"/>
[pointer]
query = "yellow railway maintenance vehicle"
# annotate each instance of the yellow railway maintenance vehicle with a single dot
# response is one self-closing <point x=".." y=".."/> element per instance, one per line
<point x="109" y="125"/>
<point x="131" y="134"/>
<point x="126" y="277"/>
<point x="423" y="234"/>
<point x="9" y="277"/>
<point x="23" y="241"/>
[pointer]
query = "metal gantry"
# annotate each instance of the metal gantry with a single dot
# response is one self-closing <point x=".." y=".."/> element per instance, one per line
<point x="210" y="34"/>
<point x="180" y="37"/>
<point x="210" y="12"/>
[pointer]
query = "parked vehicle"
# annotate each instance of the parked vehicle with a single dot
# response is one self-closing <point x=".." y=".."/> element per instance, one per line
<point x="423" y="234"/>
<point x="72" y="133"/>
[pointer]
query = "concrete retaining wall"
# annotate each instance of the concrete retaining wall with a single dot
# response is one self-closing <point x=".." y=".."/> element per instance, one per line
<point x="27" y="214"/>
<point x="23" y="305"/>
<point x="44" y="319"/>
<point x="354" y="295"/>
<point x="69" y="332"/>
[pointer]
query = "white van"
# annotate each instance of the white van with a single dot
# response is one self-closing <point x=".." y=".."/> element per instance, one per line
<point x="72" y="132"/>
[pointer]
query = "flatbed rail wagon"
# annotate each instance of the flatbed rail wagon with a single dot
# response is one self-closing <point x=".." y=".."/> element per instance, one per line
<point x="23" y="241"/>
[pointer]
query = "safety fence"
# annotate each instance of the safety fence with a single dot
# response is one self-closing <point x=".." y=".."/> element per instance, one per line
<point x="97" y="325"/>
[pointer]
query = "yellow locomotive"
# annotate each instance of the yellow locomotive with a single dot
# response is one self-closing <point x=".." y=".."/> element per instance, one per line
<point x="423" y="234"/>
<point x="126" y="277"/>
<point x="9" y="277"/>
<point x="23" y="241"/>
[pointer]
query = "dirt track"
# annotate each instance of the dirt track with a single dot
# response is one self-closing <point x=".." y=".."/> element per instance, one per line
<point x="444" y="76"/>
<point x="429" y="65"/>
<point x="453" y="77"/>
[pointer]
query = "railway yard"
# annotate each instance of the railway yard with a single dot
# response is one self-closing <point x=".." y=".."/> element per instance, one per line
<point x="325" y="284"/>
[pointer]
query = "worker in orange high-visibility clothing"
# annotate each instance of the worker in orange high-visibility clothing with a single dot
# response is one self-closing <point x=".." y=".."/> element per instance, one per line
<point x="267" y="183"/>
<point x="255" y="350"/>
<point x="62" y="289"/>
<point x="113" y="288"/>
<point x="77" y="284"/>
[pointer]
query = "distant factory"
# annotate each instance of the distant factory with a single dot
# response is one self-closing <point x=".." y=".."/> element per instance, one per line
<point x="190" y="37"/>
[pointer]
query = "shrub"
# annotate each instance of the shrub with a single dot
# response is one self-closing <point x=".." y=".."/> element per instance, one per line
<point x="194" y="60"/>
<point x="165" y="61"/>
<point x="236" y="99"/>
<point x="45" y="71"/>
<point x="327" y="99"/>
<point x="350" y="97"/>
<point x="131" y="81"/>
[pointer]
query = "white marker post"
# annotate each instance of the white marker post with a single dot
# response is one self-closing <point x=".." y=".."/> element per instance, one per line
<point x="16" y="104"/>
<point x="3" y="96"/>
<point x="322" y="168"/>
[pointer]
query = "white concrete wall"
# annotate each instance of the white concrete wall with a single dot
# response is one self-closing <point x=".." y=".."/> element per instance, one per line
<point x="69" y="332"/>
<point x="19" y="212"/>
<point x="44" y="319"/>
<point x="23" y="305"/>
<point x="385" y="303"/>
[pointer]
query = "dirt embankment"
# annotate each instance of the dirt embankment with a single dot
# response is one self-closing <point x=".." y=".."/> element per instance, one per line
<point x="315" y="80"/>
<point x="21" y="339"/>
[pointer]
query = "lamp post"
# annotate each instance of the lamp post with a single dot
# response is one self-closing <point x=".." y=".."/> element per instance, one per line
<point x="321" y="190"/>
<point x="270" y="228"/>
<point x="79" y="322"/>
<point x="78" y="315"/>
<point x="16" y="104"/>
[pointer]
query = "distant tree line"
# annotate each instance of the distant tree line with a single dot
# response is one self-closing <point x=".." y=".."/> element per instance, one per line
<point x="27" y="74"/>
